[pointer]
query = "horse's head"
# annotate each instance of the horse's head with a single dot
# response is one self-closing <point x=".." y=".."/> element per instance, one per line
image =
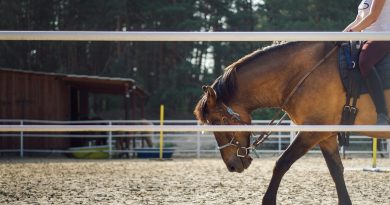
<point x="233" y="146"/>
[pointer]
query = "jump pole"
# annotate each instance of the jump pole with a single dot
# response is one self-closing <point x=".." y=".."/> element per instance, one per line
<point x="374" y="152"/>
<point x="161" y="132"/>
<point x="373" y="167"/>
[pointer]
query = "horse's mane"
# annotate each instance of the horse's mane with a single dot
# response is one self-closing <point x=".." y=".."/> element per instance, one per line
<point x="225" y="85"/>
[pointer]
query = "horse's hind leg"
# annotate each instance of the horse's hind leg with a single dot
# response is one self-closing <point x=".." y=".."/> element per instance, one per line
<point x="302" y="143"/>
<point x="329" y="148"/>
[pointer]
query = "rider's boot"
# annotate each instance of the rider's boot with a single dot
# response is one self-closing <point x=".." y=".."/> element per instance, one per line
<point x="375" y="88"/>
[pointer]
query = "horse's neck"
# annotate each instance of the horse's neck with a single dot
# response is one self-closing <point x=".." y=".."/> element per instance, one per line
<point x="269" y="79"/>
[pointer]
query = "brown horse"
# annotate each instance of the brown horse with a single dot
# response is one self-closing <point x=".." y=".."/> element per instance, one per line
<point x="266" y="78"/>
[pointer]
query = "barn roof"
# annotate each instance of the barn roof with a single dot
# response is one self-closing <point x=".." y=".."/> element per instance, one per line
<point x="99" y="84"/>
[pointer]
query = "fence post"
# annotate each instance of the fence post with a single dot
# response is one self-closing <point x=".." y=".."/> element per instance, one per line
<point x="388" y="147"/>
<point x="198" y="143"/>
<point x="292" y="134"/>
<point x="279" y="142"/>
<point x="161" y="132"/>
<point x="110" y="141"/>
<point x="21" y="141"/>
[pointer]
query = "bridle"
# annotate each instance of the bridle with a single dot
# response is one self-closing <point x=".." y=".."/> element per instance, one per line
<point x="233" y="142"/>
<point x="264" y="135"/>
<point x="241" y="151"/>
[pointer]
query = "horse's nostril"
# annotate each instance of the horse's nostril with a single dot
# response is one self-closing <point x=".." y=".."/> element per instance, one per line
<point x="231" y="168"/>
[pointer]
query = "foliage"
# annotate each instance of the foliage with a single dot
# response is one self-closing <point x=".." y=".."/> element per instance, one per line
<point x="172" y="72"/>
<point x="307" y="15"/>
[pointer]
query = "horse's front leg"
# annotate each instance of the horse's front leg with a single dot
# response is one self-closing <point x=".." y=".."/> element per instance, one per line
<point x="300" y="146"/>
<point x="329" y="148"/>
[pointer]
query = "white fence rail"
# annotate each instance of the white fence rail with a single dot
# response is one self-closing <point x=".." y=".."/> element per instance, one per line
<point x="191" y="128"/>
<point x="189" y="36"/>
<point x="195" y="140"/>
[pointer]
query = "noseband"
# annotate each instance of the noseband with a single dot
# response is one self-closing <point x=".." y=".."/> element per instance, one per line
<point x="233" y="142"/>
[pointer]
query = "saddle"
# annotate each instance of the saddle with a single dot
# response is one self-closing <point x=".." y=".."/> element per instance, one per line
<point x="352" y="82"/>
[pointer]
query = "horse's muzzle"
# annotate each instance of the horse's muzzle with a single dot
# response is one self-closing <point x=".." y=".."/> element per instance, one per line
<point x="239" y="164"/>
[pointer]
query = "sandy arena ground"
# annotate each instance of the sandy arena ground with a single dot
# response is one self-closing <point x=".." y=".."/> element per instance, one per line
<point x="181" y="181"/>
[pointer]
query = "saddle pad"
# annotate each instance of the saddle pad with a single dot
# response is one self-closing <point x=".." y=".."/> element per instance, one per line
<point x="383" y="69"/>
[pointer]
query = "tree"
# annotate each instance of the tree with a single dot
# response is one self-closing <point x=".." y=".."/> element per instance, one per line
<point x="172" y="72"/>
<point x="307" y="15"/>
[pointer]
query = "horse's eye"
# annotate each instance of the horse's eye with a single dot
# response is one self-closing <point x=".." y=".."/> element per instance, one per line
<point x="224" y="120"/>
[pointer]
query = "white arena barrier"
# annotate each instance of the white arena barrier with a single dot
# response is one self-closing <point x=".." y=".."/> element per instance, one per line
<point x="189" y="36"/>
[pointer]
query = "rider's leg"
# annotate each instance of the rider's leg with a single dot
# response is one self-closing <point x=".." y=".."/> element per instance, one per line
<point x="371" y="54"/>
<point x="375" y="88"/>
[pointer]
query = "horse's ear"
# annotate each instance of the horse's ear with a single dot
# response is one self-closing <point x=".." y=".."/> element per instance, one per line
<point x="204" y="88"/>
<point x="211" y="96"/>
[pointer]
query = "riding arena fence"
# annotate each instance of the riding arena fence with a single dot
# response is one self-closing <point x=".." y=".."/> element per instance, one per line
<point x="191" y="132"/>
<point x="186" y="137"/>
<point x="189" y="36"/>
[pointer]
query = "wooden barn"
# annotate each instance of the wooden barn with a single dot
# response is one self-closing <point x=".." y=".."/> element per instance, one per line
<point x="49" y="96"/>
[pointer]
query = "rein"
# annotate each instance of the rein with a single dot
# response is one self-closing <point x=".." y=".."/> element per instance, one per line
<point x="263" y="136"/>
<point x="260" y="139"/>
